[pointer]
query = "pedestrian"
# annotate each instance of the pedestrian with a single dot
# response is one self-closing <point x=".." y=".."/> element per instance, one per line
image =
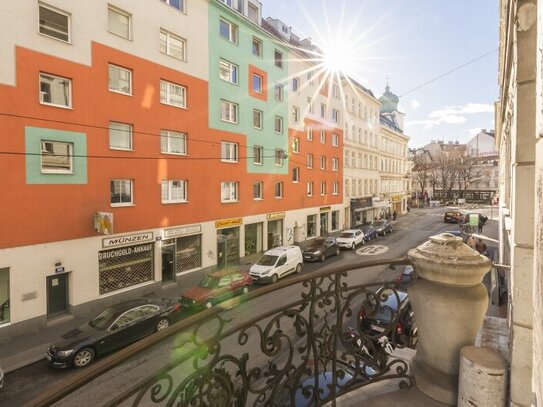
<point x="480" y="246"/>
<point x="394" y="214"/>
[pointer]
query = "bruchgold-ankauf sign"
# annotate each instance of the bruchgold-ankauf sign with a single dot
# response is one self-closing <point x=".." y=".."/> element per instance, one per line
<point x="276" y="215"/>
<point x="225" y="223"/>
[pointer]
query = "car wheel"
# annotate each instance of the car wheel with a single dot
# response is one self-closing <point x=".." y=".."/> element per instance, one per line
<point x="337" y="251"/>
<point x="162" y="324"/>
<point x="353" y="246"/>
<point x="245" y="290"/>
<point x="83" y="357"/>
<point x="274" y="278"/>
<point x="299" y="268"/>
<point x="322" y="257"/>
<point x="209" y="304"/>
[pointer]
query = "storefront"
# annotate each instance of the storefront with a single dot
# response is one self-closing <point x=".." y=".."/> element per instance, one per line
<point x="361" y="211"/>
<point x="275" y="229"/>
<point x="396" y="201"/>
<point x="311" y="226"/>
<point x="324" y="222"/>
<point x="254" y="235"/>
<point x="181" y="251"/>
<point x="335" y="221"/>
<point x="228" y="242"/>
<point x="122" y="265"/>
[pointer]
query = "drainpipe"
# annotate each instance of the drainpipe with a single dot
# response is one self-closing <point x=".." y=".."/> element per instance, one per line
<point x="450" y="302"/>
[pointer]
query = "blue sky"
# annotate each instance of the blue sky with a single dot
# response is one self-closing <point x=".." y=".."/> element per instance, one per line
<point x="413" y="42"/>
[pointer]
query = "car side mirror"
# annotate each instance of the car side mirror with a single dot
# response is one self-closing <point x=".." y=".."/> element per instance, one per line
<point x="114" y="327"/>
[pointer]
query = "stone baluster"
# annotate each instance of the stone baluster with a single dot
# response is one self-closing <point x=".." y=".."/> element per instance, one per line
<point x="450" y="303"/>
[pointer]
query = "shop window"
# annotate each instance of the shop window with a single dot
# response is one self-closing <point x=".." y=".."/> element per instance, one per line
<point x="4" y="296"/>
<point x="335" y="220"/>
<point x="311" y="226"/>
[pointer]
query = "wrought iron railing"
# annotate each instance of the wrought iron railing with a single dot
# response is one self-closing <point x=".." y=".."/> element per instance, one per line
<point x="307" y="352"/>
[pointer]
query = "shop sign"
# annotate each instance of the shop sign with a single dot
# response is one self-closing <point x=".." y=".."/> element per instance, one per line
<point x="125" y="251"/>
<point x="375" y="199"/>
<point x="185" y="230"/>
<point x="225" y="223"/>
<point x="325" y="209"/>
<point x="276" y="215"/>
<point x="128" y="239"/>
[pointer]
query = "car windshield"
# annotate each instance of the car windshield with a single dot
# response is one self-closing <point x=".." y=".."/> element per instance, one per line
<point x="267" y="260"/>
<point x="347" y="235"/>
<point x="104" y="319"/>
<point x="315" y="244"/>
<point x="379" y="223"/>
<point x="208" y="282"/>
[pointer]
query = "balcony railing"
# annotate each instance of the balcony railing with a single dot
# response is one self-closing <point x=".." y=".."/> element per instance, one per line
<point x="312" y="348"/>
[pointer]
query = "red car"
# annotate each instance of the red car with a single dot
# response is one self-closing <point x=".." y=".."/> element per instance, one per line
<point x="216" y="287"/>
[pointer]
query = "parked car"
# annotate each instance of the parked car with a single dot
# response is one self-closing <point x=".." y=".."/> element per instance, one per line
<point x="1" y="377"/>
<point x="395" y="303"/>
<point x="320" y="248"/>
<point x="216" y="287"/>
<point x="369" y="232"/>
<point x="114" y="328"/>
<point x="350" y="238"/>
<point x="277" y="263"/>
<point x="454" y="217"/>
<point x="382" y="226"/>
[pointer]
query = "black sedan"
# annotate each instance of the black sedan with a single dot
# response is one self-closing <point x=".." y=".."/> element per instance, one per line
<point x="114" y="328"/>
<point x="320" y="248"/>
<point x="382" y="226"/>
<point x="369" y="232"/>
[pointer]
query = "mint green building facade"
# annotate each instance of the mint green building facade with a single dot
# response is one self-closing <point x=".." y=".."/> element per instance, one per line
<point x="240" y="53"/>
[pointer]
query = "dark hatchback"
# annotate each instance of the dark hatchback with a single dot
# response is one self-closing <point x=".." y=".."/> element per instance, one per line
<point x="369" y="232"/>
<point x="116" y="327"/>
<point x="382" y="226"/>
<point x="395" y="305"/>
<point x="320" y="248"/>
<point x="216" y="287"/>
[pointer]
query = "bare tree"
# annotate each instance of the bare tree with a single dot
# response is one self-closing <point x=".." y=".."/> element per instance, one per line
<point x="422" y="169"/>
<point x="446" y="168"/>
<point x="466" y="171"/>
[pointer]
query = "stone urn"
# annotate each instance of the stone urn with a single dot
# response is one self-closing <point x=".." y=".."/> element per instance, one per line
<point x="450" y="302"/>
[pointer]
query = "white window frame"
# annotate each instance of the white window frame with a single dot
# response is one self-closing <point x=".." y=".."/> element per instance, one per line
<point x="260" y="191"/>
<point x="335" y="91"/>
<point x="278" y="62"/>
<point x="260" y="115"/>
<point x="335" y="164"/>
<point x="166" y="141"/>
<point x="259" y="47"/>
<point x="167" y="189"/>
<point x="335" y="188"/>
<point x="48" y="151"/>
<point x="260" y="88"/>
<point x="335" y="115"/>
<point x="232" y="110"/>
<point x="229" y="152"/>
<point x="233" y="192"/>
<point x="123" y="13"/>
<point x="323" y="162"/>
<point x="296" y="175"/>
<point x="258" y="155"/>
<point x="118" y="88"/>
<point x="310" y="105"/>
<point x="296" y="84"/>
<point x="323" y="137"/>
<point x="181" y="5"/>
<point x="166" y="44"/>
<point x="278" y="92"/>
<point x="278" y="120"/>
<point x="68" y="81"/>
<point x="310" y="188"/>
<point x="54" y="29"/>
<point x="124" y="130"/>
<point x="310" y="133"/>
<point x="323" y="188"/>
<point x="335" y="140"/>
<point x="279" y="195"/>
<point x="233" y="31"/>
<point x="323" y="110"/>
<point x="166" y="98"/>
<point x="309" y="161"/>
<point x="233" y="71"/>
<point x="278" y="157"/>
<point x="129" y="182"/>
<point x="295" y="114"/>
<point x="295" y="145"/>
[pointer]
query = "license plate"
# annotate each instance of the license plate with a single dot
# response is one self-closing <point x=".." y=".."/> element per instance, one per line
<point x="377" y="328"/>
<point x="48" y="357"/>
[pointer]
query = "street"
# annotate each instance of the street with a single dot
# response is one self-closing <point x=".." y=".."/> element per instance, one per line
<point x="26" y="383"/>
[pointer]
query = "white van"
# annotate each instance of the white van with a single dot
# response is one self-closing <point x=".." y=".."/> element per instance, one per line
<point x="277" y="263"/>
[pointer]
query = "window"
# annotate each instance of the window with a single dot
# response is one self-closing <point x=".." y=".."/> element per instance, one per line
<point x="335" y="115"/>
<point x="335" y="188"/>
<point x="323" y="137"/>
<point x="323" y="162"/>
<point x="278" y="92"/>
<point x="278" y="124"/>
<point x="258" y="155"/>
<point x="257" y="47"/>
<point x="335" y="164"/>
<point x="257" y="83"/>
<point x="346" y="187"/>
<point x="296" y="85"/>
<point x="295" y="145"/>
<point x="310" y="188"/>
<point x="295" y="114"/>
<point x="309" y="161"/>
<point x="252" y="13"/>
<point x="228" y="31"/>
<point x="296" y="174"/>
<point x="279" y="157"/>
<point x="323" y="110"/>
<point x="310" y="105"/>
<point x="174" y="191"/>
<point x="121" y="192"/>
<point x="278" y="58"/>
<point x="310" y="77"/>
<point x="258" y="190"/>
<point x="257" y="119"/>
<point x="173" y="142"/>
<point x="335" y="91"/>
<point x="335" y="140"/>
<point x="229" y="191"/>
<point x="56" y="157"/>
<point x="119" y="22"/>
<point x="55" y="90"/>
<point x="172" y="94"/>
<point x="346" y="159"/>
<point x="228" y="71"/>
<point x="120" y="80"/>
<point x="178" y="4"/>
<point x="278" y="190"/>
<point x="172" y="45"/>
<point x="120" y="136"/>
<point x="54" y="23"/>
<point x="229" y="152"/>
<point x="311" y="226"/>
<point x="335" y="220"/>
<point x="310" y="133"/>
<point x="229" y="112"/>
<point x="323" y="188"/>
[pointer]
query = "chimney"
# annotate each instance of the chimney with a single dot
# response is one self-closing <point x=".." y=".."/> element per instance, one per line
<point x="306" y="42"/>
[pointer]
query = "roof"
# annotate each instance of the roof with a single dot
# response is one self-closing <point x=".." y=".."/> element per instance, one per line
<point x="222" y="273"/>
<point x="389" y="121"/>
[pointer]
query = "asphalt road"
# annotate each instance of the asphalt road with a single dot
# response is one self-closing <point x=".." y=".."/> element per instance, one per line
<point x="26" y="383"/>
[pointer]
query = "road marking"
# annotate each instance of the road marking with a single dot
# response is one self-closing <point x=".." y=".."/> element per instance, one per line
<point x="372" y="250"/>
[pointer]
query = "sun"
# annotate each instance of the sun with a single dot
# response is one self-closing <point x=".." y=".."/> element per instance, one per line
<point x="337" y="57"/>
